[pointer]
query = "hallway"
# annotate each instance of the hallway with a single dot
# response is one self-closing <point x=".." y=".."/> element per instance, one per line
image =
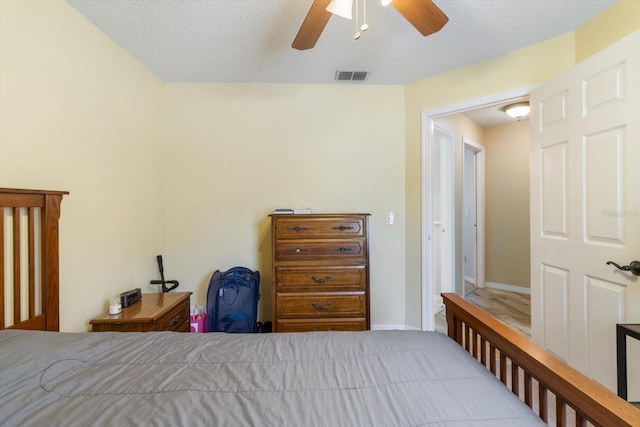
<point x="511" y="308"/>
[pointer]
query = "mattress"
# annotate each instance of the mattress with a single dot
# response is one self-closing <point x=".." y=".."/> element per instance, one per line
<point x="372" y="378"/>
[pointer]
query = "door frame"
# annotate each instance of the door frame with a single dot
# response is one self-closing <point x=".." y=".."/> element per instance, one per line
<point x="478" y="149"/>
<point x="428" y="117"/>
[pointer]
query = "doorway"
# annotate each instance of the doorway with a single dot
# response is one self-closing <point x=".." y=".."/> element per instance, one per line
<point x="473" y="224"/>
<point x="441" y="214"/>
<point x="430" y="289"/>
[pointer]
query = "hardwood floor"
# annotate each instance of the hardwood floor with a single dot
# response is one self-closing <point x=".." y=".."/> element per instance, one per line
<point x="511" y="308"/>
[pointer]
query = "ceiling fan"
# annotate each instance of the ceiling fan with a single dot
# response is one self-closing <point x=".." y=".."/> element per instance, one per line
<point x="424" y="15"/>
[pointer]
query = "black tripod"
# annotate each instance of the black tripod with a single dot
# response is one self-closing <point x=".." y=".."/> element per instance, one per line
<point x="174" y="283"/>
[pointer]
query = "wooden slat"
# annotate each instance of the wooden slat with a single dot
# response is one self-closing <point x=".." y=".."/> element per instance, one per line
<point x="503" y="368"/>
<point x="475" y="344"/>
<point x="467" y="336"/>
<point x="492" y="359"/>
<point x="528" y="390"/>
<point x="50" y="276"/>
<point x="32" y="262"/>
<point x="515" y="379"/>
<point x="1" y="268"/>
<point x="17" y="297"/>
<point x="483" y="350"/>
<point x="543" y="411"/>
<point x="561" y="412"/>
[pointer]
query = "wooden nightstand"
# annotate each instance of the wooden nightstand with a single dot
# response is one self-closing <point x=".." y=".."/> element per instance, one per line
<point x="154" y="312"/>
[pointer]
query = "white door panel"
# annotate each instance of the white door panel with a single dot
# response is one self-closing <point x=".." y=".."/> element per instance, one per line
<point x="555" y="290"/>
<point x="554" y="190"/>
<point x="605" y="306"/>
<point x="603" y="151"/>
<point x="585" y="204"/>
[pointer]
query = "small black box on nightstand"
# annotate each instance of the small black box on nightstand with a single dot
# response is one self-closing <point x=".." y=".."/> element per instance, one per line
<point x="130" y="297"/>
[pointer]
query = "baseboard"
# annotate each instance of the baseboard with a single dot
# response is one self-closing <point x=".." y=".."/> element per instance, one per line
<point x="508" y="288"/>
<point x="438" y="304"/>
<point x="393" y="327"/>
<point x="470" y="280"/>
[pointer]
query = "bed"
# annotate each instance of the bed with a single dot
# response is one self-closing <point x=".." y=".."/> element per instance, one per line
<point x="482" y="374"/>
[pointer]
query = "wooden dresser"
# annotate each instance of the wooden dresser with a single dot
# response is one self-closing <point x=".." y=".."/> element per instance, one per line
<point x="320" y="272"/>
<point x="154" y="312"/>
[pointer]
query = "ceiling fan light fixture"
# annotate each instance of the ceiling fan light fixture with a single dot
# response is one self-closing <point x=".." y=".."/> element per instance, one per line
<point x="342" y="8"/>
<point x="517" y="110"/>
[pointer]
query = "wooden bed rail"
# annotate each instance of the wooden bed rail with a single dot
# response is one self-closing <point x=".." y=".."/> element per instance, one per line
<point x="30" y="242"/>
<point x="492" y="342"/>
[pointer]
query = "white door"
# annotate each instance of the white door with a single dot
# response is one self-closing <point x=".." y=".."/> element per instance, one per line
<point x="585" y="203"/>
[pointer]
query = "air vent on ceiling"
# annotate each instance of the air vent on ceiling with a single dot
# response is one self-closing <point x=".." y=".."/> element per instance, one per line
<point x="351" y="75"/>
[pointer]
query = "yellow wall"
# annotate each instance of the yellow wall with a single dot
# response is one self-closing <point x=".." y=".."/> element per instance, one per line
<point x="236" y="152"/>
<point x="507" y="230"/>
<point x="78" y="113"/>
<point x="610" y="26"/>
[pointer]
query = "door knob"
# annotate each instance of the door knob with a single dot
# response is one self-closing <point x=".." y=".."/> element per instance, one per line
<point x="633" y="267"/>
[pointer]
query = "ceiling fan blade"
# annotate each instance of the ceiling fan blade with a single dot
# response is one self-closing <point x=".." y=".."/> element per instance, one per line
<point x="422" y="14"/>
<point x="312" y="26"/>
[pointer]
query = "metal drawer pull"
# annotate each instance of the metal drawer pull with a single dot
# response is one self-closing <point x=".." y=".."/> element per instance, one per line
<point x="174" y="320"/>
<point x="297" y="228"/>
<point x="321" y="307"/>
<point x="343" y="227"/>
<point x="296" y="250"/>
<point x="326" y="279"/>
<point x="343" y="249"/>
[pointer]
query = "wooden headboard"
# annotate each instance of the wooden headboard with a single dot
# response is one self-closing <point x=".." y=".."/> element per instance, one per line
<point x="29" y="271"/>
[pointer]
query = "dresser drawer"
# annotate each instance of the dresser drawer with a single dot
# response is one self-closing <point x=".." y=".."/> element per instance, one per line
<point x="176" y="320"/>
<point x="311" y="325"/>
<point x="299" y="227"/>
<point x="321" y="305"/>
<point x="290" y="250"/>
<point x="321" y="279"/>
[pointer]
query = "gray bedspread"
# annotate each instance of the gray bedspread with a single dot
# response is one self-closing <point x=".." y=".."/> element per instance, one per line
<point x="374" y="378"/>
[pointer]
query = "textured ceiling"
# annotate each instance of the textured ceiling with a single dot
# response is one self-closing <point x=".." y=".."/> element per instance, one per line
<point x="249" y="41"/>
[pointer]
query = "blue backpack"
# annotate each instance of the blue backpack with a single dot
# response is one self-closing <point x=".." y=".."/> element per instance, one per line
<point x="232" y="300"/>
